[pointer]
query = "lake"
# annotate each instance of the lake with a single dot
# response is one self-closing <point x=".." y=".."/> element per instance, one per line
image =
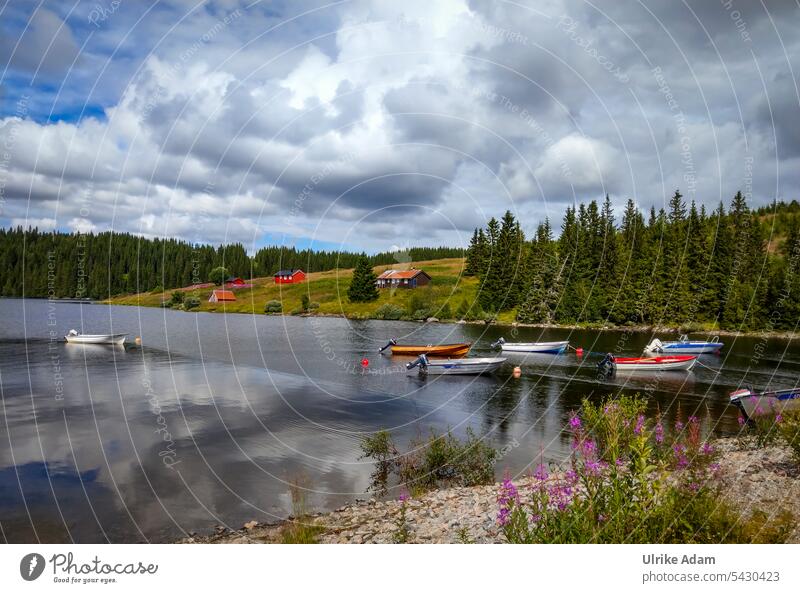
<point x="209" y="421"/>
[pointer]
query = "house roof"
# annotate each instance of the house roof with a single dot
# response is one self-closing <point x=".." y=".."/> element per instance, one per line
<point x="406" y="274"/>
<point x="225" y="295"/>
<point x="287" y="272"/>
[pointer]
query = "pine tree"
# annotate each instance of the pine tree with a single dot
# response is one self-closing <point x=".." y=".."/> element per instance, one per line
<point x="363" y="287"/>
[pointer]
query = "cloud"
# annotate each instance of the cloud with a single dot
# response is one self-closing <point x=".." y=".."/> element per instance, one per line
<point x="226" y="121"/>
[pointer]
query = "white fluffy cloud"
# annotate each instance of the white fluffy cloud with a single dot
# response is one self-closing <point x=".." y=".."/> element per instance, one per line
<point x="331" y="122"/>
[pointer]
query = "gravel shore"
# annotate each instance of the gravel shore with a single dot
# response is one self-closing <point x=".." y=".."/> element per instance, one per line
<point x="767" y="479"/>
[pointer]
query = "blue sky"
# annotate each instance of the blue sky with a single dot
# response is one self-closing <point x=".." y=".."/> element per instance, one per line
<point x="356" y="124"/>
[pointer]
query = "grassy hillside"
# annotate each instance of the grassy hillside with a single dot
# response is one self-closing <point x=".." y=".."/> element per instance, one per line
<point x="329" y="289"/>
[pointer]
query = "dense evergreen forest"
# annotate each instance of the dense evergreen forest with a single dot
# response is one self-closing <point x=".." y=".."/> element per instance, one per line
<point x="66" y="265"/>
<point x="737" y="268"/>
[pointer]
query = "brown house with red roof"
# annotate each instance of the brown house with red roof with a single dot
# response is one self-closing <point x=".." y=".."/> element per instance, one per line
<point x="403" y="279"/>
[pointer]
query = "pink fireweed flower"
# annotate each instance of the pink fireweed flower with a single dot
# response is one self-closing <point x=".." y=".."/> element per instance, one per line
<point x="778" y="418"/>
<point x="571" y="476"/>
<point x="589" y="447"/>
<point x="659" y="430"/>
<point x="541" y="472"/>
<point x="574" y="422"/>
<point x="594" y="468"/>
<point x="637" y="430"/>
<point x="693" y="419"/>
<point x="404" y="496"/>
<point x="741" y="420"/>
<point x="678" y="426"/>
<point x="707" y="449"/>
<point x="502" y="516"/>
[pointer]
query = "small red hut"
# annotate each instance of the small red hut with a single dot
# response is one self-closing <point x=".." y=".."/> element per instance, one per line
<point x="289" y="276"/>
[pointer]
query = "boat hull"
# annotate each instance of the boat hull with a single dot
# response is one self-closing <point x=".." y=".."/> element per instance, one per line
<point x="754" y="405"/>
<point x="657" y="363"/>
<point x="116" y="339"/>
<point x="467" y="366"/>
<point x="690" y="348"/>
<point x="443" y="350"/>
<point x="536" y="347"/>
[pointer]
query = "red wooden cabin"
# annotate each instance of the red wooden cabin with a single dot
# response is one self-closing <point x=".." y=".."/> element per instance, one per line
<point x="289" y="276"/>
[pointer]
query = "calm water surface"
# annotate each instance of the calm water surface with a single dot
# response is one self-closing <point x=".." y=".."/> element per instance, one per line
<point x="210" y="419"/>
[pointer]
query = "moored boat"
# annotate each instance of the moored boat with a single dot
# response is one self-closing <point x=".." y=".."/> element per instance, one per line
<point x="75" y="337"/>
<point x="619" y="364"/>
<point x="534" y="347"/>
<point x="440" y="350"/>
<point x="754" y="404"/>
<point x="683" y="346"/>
<point x="463" y="366"/>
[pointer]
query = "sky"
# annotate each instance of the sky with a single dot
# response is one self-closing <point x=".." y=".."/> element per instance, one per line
<point x="374" y="125"/>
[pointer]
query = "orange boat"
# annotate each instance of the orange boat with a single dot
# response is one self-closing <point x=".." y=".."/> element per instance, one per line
<point x="442" y="350"/>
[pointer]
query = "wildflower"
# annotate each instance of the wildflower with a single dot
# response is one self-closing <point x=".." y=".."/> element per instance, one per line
<point x="619" y="462"/>
<point x="778" y="418"/>
<point x="575" y="422"/>
<point x="694" y="486"/>
<point x="502" y="516"/>
<point x="741" y="420"/>
<point x="589" y="447"/>
<point x="571" y="476"/>
<point x="707" y="449"/>
<point x="594" y="468"/>
<point x="659" y="432"/>
<point x="637" y="430"/>
<point x="403" y="497"/>
<point x="601" y="518"/>
<point x="693" y="419"/>
<point x="541" y="472"/>
<point x="678" y="426"/>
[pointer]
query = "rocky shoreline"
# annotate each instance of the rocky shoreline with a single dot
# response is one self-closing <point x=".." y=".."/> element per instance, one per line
<point x="765" y="478"/>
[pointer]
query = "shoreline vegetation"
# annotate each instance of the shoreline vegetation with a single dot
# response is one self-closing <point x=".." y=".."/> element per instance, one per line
<point x="732" y="269"/>
<point x="629" y="479"/>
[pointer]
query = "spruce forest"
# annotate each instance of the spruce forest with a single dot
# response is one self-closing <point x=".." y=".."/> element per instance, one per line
<point x="98" y="266"/>
<point x="733" y="268"/>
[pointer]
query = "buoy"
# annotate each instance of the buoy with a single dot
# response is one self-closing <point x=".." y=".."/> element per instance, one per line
<point x="365" y="362"/>
<point x="578" y="351"/>
<point x="138" y="341"/>
<point x="517" y="372"/>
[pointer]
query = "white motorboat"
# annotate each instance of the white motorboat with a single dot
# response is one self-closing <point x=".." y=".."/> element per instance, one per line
<point x="536" y="347"/>
<point x="74" y="337"/>
<point x="766" y="403"/>
<point x="611" y="364"/>
<point x="683" y="346"/>
<point x="461" y="366"/>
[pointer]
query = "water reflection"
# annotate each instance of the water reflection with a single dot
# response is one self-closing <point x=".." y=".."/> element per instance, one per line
<point x="210" y="419"/>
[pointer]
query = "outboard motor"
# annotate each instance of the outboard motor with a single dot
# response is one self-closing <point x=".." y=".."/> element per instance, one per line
<point x="392" y="342"/>
<point x="421" y="361"/>
<point x="654" y="347"/>
<point x="606" y="367"/>
<point x="499" y="342"/>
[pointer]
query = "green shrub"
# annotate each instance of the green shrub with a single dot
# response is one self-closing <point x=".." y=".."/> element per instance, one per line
<point x="273" y="307"/>
<point x="177" y="298"/>
<point x="305" y="302"/>
<point x="313" y="306"/>
<point x="158" y="289"/>
<point x="218" y="275"/>
<point x="389" y="311"/>
<point x="789" y="430"/>
<point x="191" y="303"/>
<point x="420" y="314"/>
<point x="440" y="460"/>
<point x="444" y="312"/>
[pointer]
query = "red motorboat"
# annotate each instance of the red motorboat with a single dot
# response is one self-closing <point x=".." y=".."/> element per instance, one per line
<point x="656" y="363"/>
